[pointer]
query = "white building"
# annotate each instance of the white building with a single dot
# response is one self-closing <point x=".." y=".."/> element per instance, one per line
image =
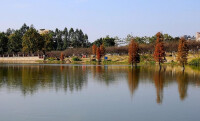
<point x="198" y="36"/>
<point x="120" y="43"/>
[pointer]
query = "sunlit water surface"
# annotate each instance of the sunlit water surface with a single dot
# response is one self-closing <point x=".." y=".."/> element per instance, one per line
<point x="32" y="92"/>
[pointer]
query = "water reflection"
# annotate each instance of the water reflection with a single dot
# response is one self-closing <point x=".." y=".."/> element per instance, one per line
<point x="159" y="85"/>
<point x="133" y="79"/>
<point x="182" y="80"/>
<point x="30" y="79"/>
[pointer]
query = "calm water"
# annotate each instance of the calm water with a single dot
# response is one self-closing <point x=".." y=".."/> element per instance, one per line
<point x="98" y="93"/>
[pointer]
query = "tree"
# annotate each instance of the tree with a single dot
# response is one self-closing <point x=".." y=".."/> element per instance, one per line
<point x="182" y="52"/>
<point x="134" y="56"/>
<point x="107" y="41"/>
<point x="66" y="39"/>
<point x="98" y="53"/>
<point x="3" y="43"/>
<point x="32" y="41"/>
<point x="102" y="50"/>
<point x="61" y="56"/>
<point x="71" y="35"/>
<point x="23" y="29"/>
<point x="9" y="31"/>
<point x="94" y="48"/>
<point x="159" y="53"/>
<point x="15" y="42"/>
<point x="47" y="42"/>
<point x="58" y="39"/>
<point x="86" y="43"/>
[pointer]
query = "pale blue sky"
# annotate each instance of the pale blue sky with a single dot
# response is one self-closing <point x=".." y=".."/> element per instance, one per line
<point x="99" y="18"/>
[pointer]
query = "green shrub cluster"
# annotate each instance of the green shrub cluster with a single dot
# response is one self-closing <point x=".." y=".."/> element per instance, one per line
<point x="76" y="59"/>
<point x="195" y="62"/>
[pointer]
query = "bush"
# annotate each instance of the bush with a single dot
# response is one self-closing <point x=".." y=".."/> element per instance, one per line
<point x="195" y="62"/>
<point x="51" y="59"/>
<point x="76" y="59"/>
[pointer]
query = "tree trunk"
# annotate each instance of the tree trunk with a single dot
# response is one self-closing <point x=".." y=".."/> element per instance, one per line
<point x="160" y="65"/>
<point x="183" y="67"/>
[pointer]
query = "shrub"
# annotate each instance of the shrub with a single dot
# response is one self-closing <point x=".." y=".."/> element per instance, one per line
<point x="195" y="62"/>
<point x="51" y="58"/>
<point x="76" y="59"/>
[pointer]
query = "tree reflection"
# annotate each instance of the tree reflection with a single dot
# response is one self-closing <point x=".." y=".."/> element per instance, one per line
<point x="104" y="75"/>
<point x="133" y="79"/>
<point x="159" y="84"/>
<point x="182" y="80"/>
<point x="31" y="78"/>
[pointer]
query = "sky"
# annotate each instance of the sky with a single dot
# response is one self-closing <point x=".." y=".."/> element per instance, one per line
<point x="99" y="18"/>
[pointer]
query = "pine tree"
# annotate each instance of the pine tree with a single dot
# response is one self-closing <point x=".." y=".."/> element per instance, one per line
<point x="182" y="52"/>
<point x="159" y="53"/>
<point x="134" y="56"/>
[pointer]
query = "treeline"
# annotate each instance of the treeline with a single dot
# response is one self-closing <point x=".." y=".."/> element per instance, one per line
<point x="170" y="47"/>
<point x="28" y="39"/>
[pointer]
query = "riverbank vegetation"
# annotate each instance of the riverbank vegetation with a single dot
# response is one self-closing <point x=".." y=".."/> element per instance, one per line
<point x="73" y="46"/>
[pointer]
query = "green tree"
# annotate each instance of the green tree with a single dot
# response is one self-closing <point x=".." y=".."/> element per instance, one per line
<point x="58" y="39"/>
<point x="66" y="42"/>
<point x="9" y="31"/>
<point x="86" y="43"/>
<point x="15" y="42"/>
<point x="3" y="43"/>
<point x="23" y="29"/>
<point x="168" y="38"/>
<point x="32" y="41"/>
<point x="107" y="41"/>
<point x="47" y="42"/>
<point x="71" y="36"/>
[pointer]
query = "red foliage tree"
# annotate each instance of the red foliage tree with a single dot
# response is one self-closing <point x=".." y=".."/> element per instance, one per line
<point x="61" y="56"/>
<point x="98" y="53"/>
<point x="102" y="50"/>
<point x="182" y="52"/>
<point x="134" y="56"/>
<point x="159" y="53"/>
<point x="94" y="48"/>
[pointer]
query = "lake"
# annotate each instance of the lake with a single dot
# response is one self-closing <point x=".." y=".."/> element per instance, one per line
<point x="42" y="92"/>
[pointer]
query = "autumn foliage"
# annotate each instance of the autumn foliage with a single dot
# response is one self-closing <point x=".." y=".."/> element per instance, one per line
<point x="94" y="48"/>
<point x="133" y="53"/>
<point x="61" y="56"/>
<point x="98" y="53"/>
<point x="159" y="52"/>
<point x="182" y="52"/>
<point x="102" y="49"/>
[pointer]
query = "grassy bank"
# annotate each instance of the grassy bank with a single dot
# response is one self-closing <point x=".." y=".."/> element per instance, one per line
<point x="123" y="60"/>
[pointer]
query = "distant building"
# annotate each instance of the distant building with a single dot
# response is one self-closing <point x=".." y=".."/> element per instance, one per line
<point x="44" y="31"/>
<point x="198" y="36"/>
<point x="188" y="37"/>
<point x="120" y="43"/>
